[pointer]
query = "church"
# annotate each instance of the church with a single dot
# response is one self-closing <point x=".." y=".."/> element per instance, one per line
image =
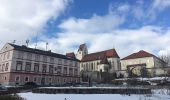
<point x="107" y="61"/>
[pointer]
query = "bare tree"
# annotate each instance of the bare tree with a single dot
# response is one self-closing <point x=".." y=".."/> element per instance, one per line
<point x="165" y="61"/>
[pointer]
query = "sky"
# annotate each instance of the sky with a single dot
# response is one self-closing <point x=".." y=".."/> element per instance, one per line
<point x="126" y="25"/>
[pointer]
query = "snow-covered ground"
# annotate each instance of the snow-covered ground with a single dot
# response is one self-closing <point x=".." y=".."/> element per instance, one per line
<point x="148" y="79"/>
<point x="159" y="94"/>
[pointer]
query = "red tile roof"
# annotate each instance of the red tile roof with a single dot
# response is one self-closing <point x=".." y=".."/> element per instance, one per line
<point x="104" y="61"/>
<point x="99" y="55"/>
<point x="140" y="54"/>
<point x="71" y="55"/>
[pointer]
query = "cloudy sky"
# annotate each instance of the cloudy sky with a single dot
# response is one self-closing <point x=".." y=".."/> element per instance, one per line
<point x="126" y="25"/>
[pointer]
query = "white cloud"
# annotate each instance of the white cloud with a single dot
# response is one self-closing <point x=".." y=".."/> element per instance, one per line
<point x="22" y="19"/>
<point x="96" y="24"/>
<point x="126" y="41"/>
<point x="160" y="4"/>
<point x="102" y="32"/>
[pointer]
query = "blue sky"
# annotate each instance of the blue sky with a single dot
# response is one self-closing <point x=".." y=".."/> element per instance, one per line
<point x="126" y="25"/>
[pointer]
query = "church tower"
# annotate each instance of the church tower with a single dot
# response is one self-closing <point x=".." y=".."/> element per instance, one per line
<point x="82" y="51"/>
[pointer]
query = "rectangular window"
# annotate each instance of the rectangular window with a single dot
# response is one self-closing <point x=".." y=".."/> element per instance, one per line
<point x="44" y="68"/>
<point x="20" y="54"/>
<point x="35" y="79"/>
<point x="36" y="67"/>
<point x="18" y="66"/>
<point x="29" y="56"/>
<point x="45" y="58"/>
<point x="59" y="70"/>
<point x="59" y="61"/>
<point x="26" y="79"/>
<point x="51" y="69"/>
<point x="65" y="62"/>
<point x="28" y="67"/>
<point x="8" y="55"/>
<point x="6" y="67"/>
<point x="37" y="57"/>
<point x="17" y="78"/>
<point x="4" y="56"/>
<point x="0" y="68"/>
<point x="71" y="63"/>
<point x="65" y="71"/>
<point x="75" y="72"/>
<point x="0" y="57"/>
<point x="51" y="60"/>
<point x="71" y="71"/>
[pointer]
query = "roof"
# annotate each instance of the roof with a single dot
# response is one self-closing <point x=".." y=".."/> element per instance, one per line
<point x="42" y="52"/>
<point x="81" y="46"/>
<point x="104" y="61"/>
<point x="140" y="54"/>
<point x="71" y="55"/>
<point x="98" y="55"/>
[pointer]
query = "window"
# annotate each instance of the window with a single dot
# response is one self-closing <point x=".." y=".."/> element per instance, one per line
<point x="35" y="79"/>
<point x="20" y="54"/>
<point x="44" y="68"/>
<point x="3" y="67"/>
<point x="17" y="78"/>
<point x="59" y="61"/>
<point x="0" y="57"/>
<point x="75" y="72"/>
<point x="36" y="67"/>
<point x="65" y="71"/>
<point x="4" y="77"/>
<point x="51" y="60"/>
<point x="29" y="56"/>
<point x="0" y="68"/>
<point x="45" y="58"/>
<point x="76" y="64"/>
<point x="71" y="71"/>
<point x="51" y="69"/>
<point x="50" y="80"/>
<point x="28" y="67"/>
<point x="59" y="70"/>
<point x="4" y="56"/>
<point x="92" y="66"/>
<point x="65" y="62"/>
<point x="8" y="54"/>
<point x="37" y="57"/>
<point x="26" y="79"/>
<point x="19" y="66"/>
<point x="6" y="67"/>
<point x="71" y="63"/>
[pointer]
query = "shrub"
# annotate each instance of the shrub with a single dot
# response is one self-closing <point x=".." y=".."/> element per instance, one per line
<point x="11" y="97"/>
<point x="30" y="84"/>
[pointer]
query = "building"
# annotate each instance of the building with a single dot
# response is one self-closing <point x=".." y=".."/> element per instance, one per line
<point x="140" y="62"/>
<point x="21" y="64"/>
<point x="104" y="61"/>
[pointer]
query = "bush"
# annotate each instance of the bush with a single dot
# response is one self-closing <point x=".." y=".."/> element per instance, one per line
<point x="11" y="97"/>
<point x="30" y="85"/>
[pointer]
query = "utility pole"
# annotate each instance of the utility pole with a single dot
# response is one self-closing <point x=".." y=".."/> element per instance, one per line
<point x="46" y="46"/>
<point x="27" y="42"/>
<point x="36" y="40"/>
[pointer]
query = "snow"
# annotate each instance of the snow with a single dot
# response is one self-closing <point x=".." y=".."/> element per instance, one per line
<point x="148" y="79"/>
<point x="159" y="94"/>
<point x="91" y="87"/>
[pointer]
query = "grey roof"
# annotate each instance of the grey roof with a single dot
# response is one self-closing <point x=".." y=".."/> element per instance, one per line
<point x="41" y="52"/>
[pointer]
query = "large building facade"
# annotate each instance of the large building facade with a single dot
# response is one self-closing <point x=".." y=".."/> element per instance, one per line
<point x="142" y="60"/>
<point x="21" y="64"/>
<point x="103" y="61"/>
<point x="98" y="67"/>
